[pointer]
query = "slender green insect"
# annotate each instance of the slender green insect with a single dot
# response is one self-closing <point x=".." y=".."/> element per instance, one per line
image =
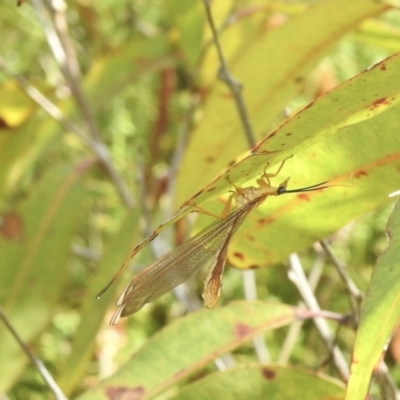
<point x="207" y="248"/>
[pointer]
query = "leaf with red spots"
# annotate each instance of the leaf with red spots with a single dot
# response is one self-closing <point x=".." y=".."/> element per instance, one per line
<point x="328" y="143"/>
<point x="169" y="357"/>
<point x="269" y="65"/>
<point x="255" y="381"/>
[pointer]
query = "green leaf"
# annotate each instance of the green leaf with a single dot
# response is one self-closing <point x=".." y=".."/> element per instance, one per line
<point x="380" y="313"/>
<point x="272" y="69"/>
<point x="113" y="71"/>
<point x="20" y="148"/>
<point x="189" y="344"/>
<point x="34" y="262"/>
<point x="256" y="381"/>
<point x="328" y="143"/>
<point x="380" y="34"/>
<point x="187" y="20"/>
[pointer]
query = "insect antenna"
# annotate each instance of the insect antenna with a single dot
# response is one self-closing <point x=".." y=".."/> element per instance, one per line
<point x="318" y="186"/>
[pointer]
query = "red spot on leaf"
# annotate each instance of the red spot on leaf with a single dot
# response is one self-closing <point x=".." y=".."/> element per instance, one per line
<point x="210" y="159"/>
<point x="382" y="67"/>
<point x="240" y="256"/>
<point x="289" y="134"/>
<point x="124" y="393"/>
<point x="268" y="374"/>
<point x="380" y="102"/>
<point x="242" y="330"/>
<point x="12" y="227"/>
<point x="303" y="197"/>
<point x="265" y="221"/>
<point x="360" y="174"/>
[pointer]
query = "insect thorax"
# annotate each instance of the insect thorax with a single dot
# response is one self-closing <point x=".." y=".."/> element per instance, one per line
<point x="248" y="194"/>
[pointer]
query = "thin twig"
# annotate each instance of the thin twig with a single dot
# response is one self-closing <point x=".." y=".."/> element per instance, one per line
<point x="387" y="384"/>
<point x="58" y="39"/>
<point x="297" y="276"/>
<point x="85" y="252"/>
<point x="250" y="294"/>
<point x="233" y="84"/>
<point x="230" y="19"/>
<point x="354" y="294"/>
<point x="51" y="383"/>
<point x="295" y="328"/>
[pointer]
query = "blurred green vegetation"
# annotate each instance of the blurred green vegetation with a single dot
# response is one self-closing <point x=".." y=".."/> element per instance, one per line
<point x="148" y="74"/>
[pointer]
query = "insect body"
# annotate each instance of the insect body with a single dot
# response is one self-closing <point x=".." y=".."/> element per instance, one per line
<point x="206" y="248"/>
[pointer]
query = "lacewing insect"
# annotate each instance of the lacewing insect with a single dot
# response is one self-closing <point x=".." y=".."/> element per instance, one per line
<point x="206" y="248"/>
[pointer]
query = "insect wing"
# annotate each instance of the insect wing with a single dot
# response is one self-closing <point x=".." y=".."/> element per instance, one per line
<point x="213" y="282"/>
<point x="178" y="265"/>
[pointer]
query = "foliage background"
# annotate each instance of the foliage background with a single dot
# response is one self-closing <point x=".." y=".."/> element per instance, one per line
<point x="143" y="124"/>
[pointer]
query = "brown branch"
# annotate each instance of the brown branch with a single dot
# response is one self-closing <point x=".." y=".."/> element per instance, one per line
<point x="233" y="84"/>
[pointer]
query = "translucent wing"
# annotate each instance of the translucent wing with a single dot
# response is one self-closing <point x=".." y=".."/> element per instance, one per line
<point x="174" y="268"/>
<point x="213" y="281"/>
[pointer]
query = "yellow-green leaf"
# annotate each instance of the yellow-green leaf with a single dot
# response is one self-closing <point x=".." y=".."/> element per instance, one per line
<point x="256" y="381"/>
<point x="272" y="70"/>
<point x="189" y="344"/>
<point x="34" y="262"/>
<point x="380" y="313"/>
